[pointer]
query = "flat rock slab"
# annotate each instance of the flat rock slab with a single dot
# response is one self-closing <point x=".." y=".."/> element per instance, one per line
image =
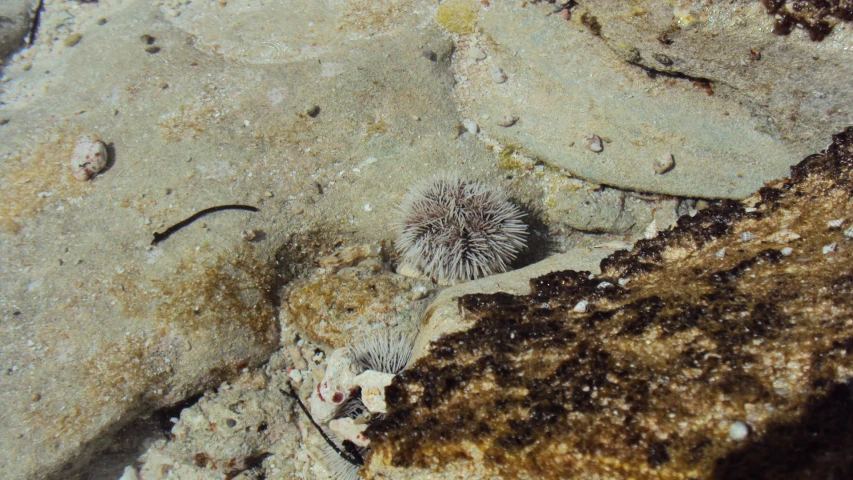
<point x="98" y="325"/>
<point x="563" y="83"/>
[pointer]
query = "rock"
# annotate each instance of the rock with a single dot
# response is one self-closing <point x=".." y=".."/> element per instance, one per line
<point x="572" y="86"/>
<point x="15" y="22"/>
<point x="443" y="316"/>
<point x="739" y="53"/>
<point x="331" y="308"/>
<point x="695" y="349"/>
<point x="88" y="158"/>
<point x="118" y="328"/>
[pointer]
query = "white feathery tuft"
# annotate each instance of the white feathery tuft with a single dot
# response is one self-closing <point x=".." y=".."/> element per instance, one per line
<point x="454" y="229"/>
<point x="338" y="467"/>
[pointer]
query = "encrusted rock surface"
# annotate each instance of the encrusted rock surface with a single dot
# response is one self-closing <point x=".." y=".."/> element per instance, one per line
<point x="334" y="308"/>
<point x="717" y="324"/>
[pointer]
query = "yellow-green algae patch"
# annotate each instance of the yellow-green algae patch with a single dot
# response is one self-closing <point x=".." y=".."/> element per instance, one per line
<point x="458" y="16"/>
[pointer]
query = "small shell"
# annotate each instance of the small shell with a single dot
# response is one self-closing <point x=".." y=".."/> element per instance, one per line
<point x="581" y="307"/>
<point x="507" y="121"/>
<point x="829" y="248"/>
<point x="664" y="163"/>
<point x="471" y="126"/>
<point x="787" y="251"/>
<point x="738" y="431"/>
<point x="835" y="223"/>
<point x="498" y="75"/>
<point x="88" y="158"/>
<point x="747" y="236"/>
<point x="476" y="53"/>
<point x="593" y="142"/>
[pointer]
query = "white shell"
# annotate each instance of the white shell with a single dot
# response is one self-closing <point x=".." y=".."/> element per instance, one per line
<point x="829" y="248"/>
<point x="835" y="223"/>
<point x="593" y="142"/>
<point x="664" y="163"/>
<point x="738" y="431"/>
<point x="581" y="307"/>
<point x="88" y="158"/>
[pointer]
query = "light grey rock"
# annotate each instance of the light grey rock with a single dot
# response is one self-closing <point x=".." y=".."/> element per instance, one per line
<point x="573" y="84"/>
<point x="800" y="86"/>
<point x="99" y="325"/>
<point x="16" y="18"/>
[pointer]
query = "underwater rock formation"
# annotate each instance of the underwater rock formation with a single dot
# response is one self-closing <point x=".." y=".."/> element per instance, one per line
<point x="718" y="349"/>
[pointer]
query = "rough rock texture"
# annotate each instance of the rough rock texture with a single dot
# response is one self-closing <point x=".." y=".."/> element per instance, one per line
<point x="563" y="84"/>
<point x="98" y="325"/>
<point x="718" y="323"/>
<point x="333" y="309"/>
<point x="796" y="84"/>
<point x="16" y="18"/>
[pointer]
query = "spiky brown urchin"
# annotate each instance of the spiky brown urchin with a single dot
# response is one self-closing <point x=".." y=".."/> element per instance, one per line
<point x="454" y="229"/>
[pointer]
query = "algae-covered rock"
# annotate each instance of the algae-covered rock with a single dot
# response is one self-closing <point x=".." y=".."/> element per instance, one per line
<point x="719" y="349"/>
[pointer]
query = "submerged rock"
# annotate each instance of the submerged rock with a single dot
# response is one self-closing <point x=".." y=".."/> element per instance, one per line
<point x="684" y="363"/>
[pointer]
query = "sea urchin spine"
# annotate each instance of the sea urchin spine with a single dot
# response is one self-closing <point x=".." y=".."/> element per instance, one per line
<point x="453" y="229"/>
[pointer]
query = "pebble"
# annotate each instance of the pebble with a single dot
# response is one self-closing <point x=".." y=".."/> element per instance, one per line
<point x="312" y="110"/>
<point x="747" y="236"/>
<point x="848" y="232"/>
<point x="787" y="251"/>
<point x="476" y="53"/>
<point x="471" y="126"/>
<point x="829" y="248"/>
<point x="507" y="121"/>
<point x="738" y="431"/>
<point x="593" y="142"/>
<point x="88" y="158"/>
<point x="581" y="307"/>
<point x="664" y="163"/>
<point x="835" y="223"/>
<point x="498" y="75"/>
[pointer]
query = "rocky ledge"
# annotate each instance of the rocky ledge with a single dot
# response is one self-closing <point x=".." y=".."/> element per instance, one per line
<point x="718" y="349"/>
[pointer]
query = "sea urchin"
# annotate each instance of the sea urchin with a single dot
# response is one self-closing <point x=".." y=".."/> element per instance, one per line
<point x="453" y="229"/>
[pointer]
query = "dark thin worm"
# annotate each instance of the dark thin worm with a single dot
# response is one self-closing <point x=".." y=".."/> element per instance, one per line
<point x="352" y="456"/>
<point x="159" y="237"/>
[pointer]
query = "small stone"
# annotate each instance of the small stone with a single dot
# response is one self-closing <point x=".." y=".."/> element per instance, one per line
<point x="827" y="249"/>
<point x="835" y="223"/>
<point x="152" y="49"/>
<point x="373" y="385"/>
<point x="476" y="53"/>
<point x="786" y="251"/>
<point x="498" y="75"/>
<point x="251" y="235"/>
<point x="783" y="236"/>
<point x="102" y="21"/>
<point x="88" y="158"/>
<point x="593" y="142"/>
<point x="312" y="111"/>
<point x="147" y="39"/>
<point x="738" y="431"/>
<point x="471" y="126"/>
<point x="72" y="39"/>
<point x="848" y="232"/>
<point x="664" y="163"/>
<point x="747" y="236"/>
<point x="581" y="307"/>
<point x="507" y="121"/>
